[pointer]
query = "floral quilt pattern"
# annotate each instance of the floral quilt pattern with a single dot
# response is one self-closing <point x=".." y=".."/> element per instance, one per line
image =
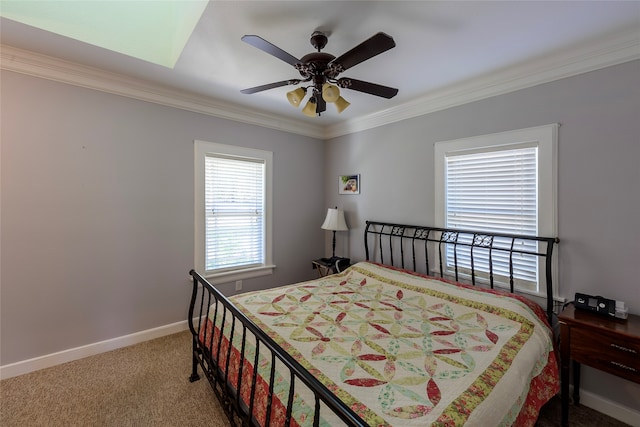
<point x="404" y="350"/>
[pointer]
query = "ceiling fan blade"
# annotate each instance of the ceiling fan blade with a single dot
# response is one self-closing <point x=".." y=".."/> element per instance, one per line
<point x="366" y="87"/>
<point x="269" y="86"/>
<point x="369" y="48"/>
<point x="271" y="49"/>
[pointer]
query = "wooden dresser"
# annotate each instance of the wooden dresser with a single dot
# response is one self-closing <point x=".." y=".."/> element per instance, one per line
<point x="611" y="345"/>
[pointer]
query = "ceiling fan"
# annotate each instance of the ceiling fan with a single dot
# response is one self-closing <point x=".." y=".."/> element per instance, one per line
<point x="321" y="71"/>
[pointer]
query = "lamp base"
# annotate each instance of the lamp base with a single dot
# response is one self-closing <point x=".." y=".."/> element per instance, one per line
<point x="334" y="245"/>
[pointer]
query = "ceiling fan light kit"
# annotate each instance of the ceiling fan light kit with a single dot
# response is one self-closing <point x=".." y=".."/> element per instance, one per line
<point x="341" y="104"/>
<point x="330" y="92"/>
<point x="321" y="71"/>
<point x="310" y="109"/>
<point x="296" y="96"/>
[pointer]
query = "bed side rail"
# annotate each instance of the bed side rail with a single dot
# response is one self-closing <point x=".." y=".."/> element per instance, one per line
<point x="206" y="302"/>
<point x="437" y="250"/>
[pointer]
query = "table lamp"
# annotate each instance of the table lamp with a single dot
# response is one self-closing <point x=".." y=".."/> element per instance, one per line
<point x="334" y="222"/>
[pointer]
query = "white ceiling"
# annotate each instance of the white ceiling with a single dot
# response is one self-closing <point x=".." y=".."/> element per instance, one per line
<point x="439" y="44"/>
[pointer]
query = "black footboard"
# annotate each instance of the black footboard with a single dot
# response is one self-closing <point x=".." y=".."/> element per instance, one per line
<point x="213" y="353"/>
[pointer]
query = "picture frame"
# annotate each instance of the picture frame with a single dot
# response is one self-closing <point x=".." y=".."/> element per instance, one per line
<point x="349" y="184"/>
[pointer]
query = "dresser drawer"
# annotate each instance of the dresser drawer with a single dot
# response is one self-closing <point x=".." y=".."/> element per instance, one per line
<point x="607" y="351"/>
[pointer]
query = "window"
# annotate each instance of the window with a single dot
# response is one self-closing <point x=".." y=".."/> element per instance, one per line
<point x="232" y="212"/>
<point x="504" y="183"/>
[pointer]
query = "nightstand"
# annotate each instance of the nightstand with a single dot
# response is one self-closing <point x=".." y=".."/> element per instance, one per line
<point x="605" y="343"/>
<point x="326" y="266"/>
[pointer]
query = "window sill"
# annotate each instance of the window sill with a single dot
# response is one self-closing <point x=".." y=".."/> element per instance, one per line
<point x="232" y="276"/>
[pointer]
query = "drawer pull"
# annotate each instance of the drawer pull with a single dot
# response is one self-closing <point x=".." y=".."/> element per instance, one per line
<point x="619" y="347"/>
<point x="620" y="365"/>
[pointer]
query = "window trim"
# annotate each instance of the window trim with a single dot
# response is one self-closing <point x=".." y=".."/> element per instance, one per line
<point x="201" y="149"/>
<point x="546" y="138"/>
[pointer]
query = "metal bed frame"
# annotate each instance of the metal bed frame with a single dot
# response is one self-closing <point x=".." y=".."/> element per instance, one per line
<point x="389" y="243"/>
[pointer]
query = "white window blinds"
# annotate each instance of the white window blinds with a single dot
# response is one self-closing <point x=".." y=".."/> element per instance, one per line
<point x="495" y="190"/>
<point x="234" y="212"/>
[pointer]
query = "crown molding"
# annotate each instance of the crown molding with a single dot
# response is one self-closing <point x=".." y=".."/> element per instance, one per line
<point x="615" y="49"/>
<point x="50" y="68"/>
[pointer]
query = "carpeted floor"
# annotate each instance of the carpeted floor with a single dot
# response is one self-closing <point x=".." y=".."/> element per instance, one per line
<point x="143" y="385"/>
<point x="579" y="416"/>
<point x="147" y="385"/>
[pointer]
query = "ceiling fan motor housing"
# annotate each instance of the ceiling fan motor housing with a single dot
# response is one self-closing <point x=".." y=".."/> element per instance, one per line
<point x="315" y="64"/>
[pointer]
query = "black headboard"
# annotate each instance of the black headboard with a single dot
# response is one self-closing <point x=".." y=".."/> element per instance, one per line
<point x="424" y="249"/>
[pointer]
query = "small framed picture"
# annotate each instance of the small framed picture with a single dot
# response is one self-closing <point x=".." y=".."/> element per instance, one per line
<point x="349" y="184"/>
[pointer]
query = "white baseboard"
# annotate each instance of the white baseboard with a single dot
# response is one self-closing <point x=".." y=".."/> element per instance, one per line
<point x="46" y="361"/>
<point x="610" y="408"/>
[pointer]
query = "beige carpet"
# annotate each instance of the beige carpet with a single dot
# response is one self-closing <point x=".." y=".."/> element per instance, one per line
<point x="147" y="385"/>
<point x="143" y="385"/>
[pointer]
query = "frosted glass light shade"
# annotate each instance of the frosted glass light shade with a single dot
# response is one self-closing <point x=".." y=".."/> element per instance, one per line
<point x="310" y="109"/>
<point x="295" y="97"/>
<point x="341" y="104"/>
<point x="330" y="92"/>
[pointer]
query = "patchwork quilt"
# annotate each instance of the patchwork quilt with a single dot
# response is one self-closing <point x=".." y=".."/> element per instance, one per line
<point x="399" y="348"/>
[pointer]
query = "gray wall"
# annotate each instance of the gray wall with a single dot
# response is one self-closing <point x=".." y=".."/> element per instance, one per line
<point x="598" y="180"/>
<point x="97" y="200"/>
<point x="97" y="213"/>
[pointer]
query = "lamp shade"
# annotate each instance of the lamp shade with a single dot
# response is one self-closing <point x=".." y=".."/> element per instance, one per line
<point x="341" y="104"/>
<point x="330" y="92"/>
<point x="335" y="220"/>
<point x="310" y="108"/>
<point x="295" y="97"/>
